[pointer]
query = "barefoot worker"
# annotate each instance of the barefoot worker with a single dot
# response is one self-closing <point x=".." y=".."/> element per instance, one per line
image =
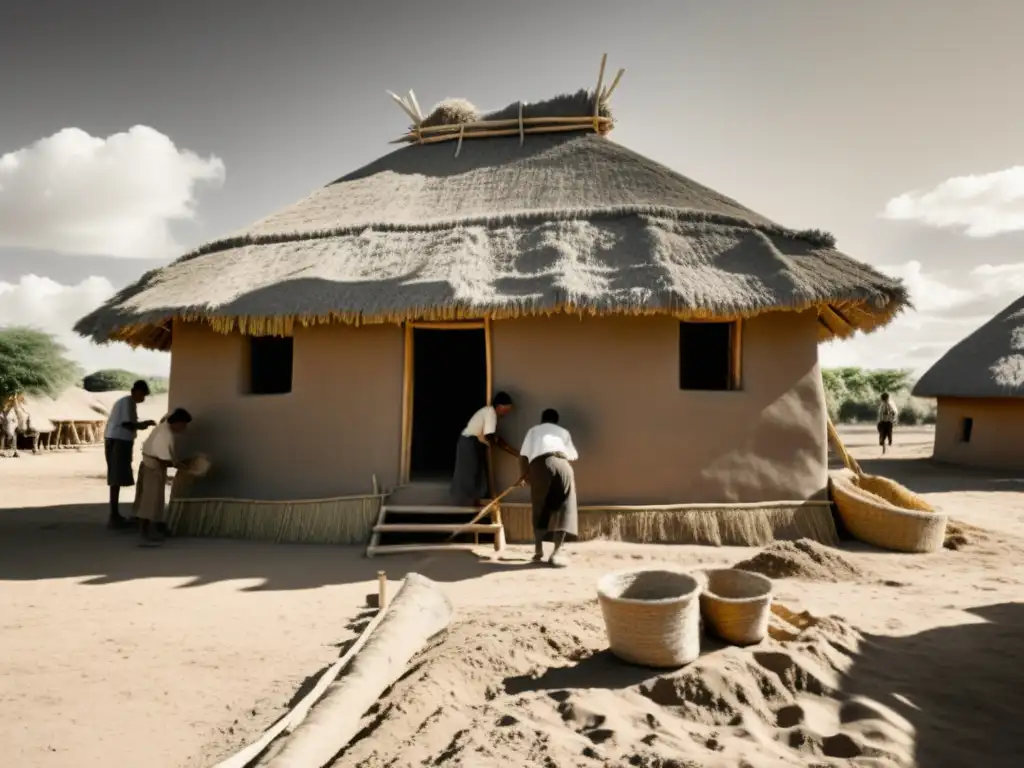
<point x="118" y="443"/>
<point x="158" y="454"/>
<point x="886" y="421"/>
<point x="470" y="482"/>
<point x="544" y="459"/>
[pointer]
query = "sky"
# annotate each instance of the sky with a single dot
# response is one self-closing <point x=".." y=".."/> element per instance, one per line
<point x="132" y="132"/>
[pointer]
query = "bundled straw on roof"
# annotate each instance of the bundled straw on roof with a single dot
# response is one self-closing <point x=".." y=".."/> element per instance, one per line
<point x="501" y="227"/>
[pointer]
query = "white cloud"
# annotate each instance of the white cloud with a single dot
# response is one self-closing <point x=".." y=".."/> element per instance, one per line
<point x="75" y="193"/>
<point x="981" y="205"/>
<point x="927" y="291"/>
<point x="918" y="338"/>
<point x="42" y="303"/>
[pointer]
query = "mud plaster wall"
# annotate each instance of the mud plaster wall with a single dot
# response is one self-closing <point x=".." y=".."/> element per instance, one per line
<point x="340" y="424"/>
<point x="996" y="437"/>
<point x="614" y="380"/>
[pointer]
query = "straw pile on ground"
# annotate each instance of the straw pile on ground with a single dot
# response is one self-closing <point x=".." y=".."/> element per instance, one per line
<point x="803" y="559"/>
<point x="540" y="688"/>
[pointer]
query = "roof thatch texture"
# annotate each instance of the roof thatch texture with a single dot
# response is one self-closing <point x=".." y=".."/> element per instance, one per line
<point x="988" y="363"/>
<point x="72" y="404"/>
<point x="544" y="223"/>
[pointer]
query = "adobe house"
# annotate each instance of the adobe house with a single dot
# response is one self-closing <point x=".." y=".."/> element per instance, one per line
<point x="979" y="386"/>
<point x="334" y="350"/>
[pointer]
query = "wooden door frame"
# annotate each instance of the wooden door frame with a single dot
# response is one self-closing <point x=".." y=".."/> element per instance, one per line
<point x="408" y="379"/>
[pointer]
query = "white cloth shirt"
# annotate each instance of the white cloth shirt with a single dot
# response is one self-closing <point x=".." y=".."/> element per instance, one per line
<point x="123" y="410"/>
<point x="160" y="443"/>
<point x="484" y="422"/>
<point x="548" y="438"/>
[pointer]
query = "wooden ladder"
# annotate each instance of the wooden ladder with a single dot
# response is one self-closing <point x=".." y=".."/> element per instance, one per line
<point x="422" y="523"/>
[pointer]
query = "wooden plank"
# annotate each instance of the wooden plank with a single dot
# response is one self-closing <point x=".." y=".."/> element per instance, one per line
<point x="298" y="713"/>
<point x="737" y="355"/>
<point x="431" y="509"/>
<point x="489" y="356"/>
<point x="469" y="325"/>
<point x="407" y="382"/>
<point x="398" y="549"/>
<point x="436" y="528"/>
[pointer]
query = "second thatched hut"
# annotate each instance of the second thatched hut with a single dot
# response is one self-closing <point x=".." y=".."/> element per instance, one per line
<point x="979" y="384"/>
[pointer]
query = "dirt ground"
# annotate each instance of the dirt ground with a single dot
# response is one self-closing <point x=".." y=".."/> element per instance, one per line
<point x="111" y="654"/>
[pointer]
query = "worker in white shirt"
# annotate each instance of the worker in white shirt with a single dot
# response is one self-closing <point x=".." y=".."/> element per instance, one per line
<point x="118" y="443"/>
<point x="544" y="459"/>
<point x="470" y="481"/>
<point x="158" y="455"/>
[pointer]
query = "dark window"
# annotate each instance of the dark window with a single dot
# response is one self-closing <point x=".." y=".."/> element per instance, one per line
<point x="706" y="356"/>
<point x="966" y="427"/>
<point x="270" y="365"/>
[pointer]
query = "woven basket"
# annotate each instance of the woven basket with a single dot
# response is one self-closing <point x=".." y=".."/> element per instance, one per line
<point x="652" y="617"/>
<point x="872" y="518"/>
<point x="737" y="605"/>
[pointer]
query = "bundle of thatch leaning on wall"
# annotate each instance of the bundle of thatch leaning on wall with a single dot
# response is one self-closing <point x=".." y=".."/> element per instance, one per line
<point x="524" y="250"/>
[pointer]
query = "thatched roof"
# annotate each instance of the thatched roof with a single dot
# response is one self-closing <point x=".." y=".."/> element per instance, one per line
<point x="73" y="404"/>
<point x="988" y="363"/>
<point x="534" y="223"/>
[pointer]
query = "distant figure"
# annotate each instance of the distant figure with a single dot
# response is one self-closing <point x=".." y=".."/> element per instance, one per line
<point x="9" y="429"/>
<point x="470" y="480"/>
<point x="118" y="442"/>
<point x="158" y="455"/>
<point x="886" y="421"/>
<point x="544" y="459"/>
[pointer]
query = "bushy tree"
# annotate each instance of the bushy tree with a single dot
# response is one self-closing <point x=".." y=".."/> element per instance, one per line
<point x="33" y="363"/>
<point x="118" y="379"/>
<point x="109" y="380"/>
<point x="852" y="395"/>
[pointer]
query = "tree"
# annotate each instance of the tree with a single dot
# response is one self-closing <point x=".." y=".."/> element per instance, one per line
<point x="892" y="381"/>
<point x="33" y="363"/>
<point x="117" y="379"/>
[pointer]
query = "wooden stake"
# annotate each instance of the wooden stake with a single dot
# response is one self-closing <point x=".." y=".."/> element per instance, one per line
<point x="611" y="88"/>
<point x="416" y="107"/>
<point x="405" y="107"/>
<point x="382" y="590"/>
<point x="597" y="91"/>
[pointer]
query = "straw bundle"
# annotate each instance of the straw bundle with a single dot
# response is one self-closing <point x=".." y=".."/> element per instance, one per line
<point x="752" y="525"/>
<point x="198" y="466"/>
<point x="737" y="605"/>
<point x="874" y="520"/>
<point x="880" y="511"/>
<point x="652" y="617"/>
<point x="343" y="520"/>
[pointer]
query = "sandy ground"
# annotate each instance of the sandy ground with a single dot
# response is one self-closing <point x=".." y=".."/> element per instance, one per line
<point x="115" y="655"/>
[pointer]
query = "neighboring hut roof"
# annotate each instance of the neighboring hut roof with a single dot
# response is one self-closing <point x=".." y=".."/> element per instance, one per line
<point x="988" y="363"/>
<point x="535" y="222"/>
<point x="72" y="404"/>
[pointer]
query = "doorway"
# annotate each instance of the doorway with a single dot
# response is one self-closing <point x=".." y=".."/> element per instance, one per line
<point x="449" y="384"/>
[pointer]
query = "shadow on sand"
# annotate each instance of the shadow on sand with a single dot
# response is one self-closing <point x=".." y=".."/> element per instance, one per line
<point x="73" y="542"/>
<point x="959" y="686"/>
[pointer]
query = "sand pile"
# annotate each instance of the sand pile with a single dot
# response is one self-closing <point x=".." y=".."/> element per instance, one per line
<point x="539" y="688"/>
<point x="803" y="559"/>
